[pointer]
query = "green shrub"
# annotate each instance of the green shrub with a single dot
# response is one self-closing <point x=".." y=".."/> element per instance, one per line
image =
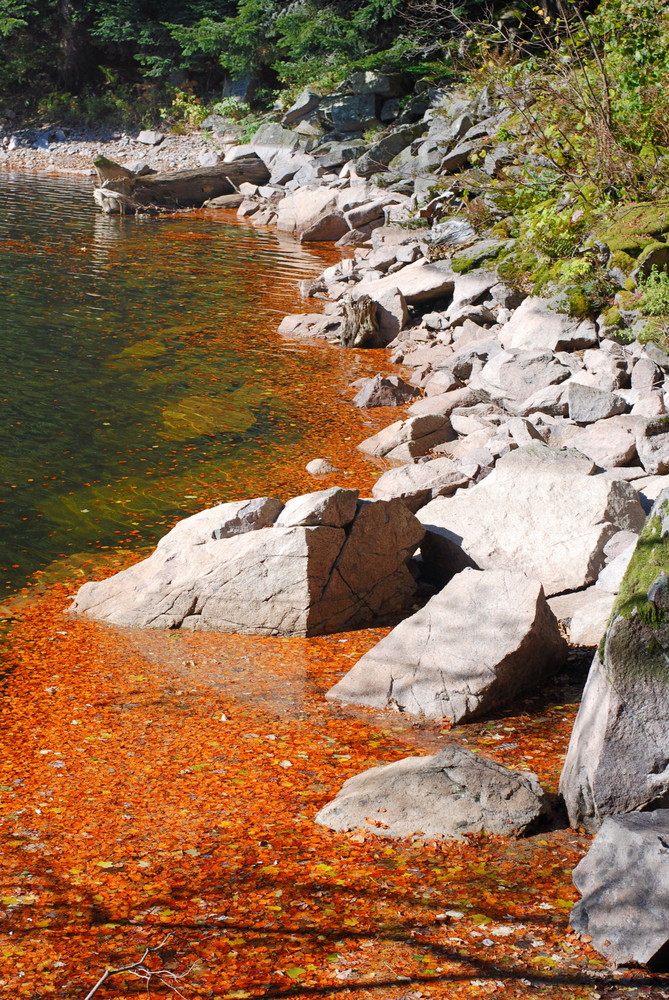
<point x="655" y="293"/>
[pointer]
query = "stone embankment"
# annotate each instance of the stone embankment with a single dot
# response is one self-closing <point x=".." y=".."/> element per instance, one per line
<point x="533" y="446"/>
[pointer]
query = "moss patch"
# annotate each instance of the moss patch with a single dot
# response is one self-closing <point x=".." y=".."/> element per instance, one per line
<point x="651" y="557"/>
<point x="474" y="256"/>
<point x="635" y="226"/>
<point x="622" y="262"/>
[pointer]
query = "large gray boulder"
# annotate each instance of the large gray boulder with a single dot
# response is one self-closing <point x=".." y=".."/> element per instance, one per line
<point x="510" y="377"/>
<point x="618" y="756"/>
<point x="624" y="882"/>
<point x="446" y="796"/>
<point x="380" y="153"/>
<point x="535" y="325"/>
<point x="477" y="644"/>
<point x="537" y="513"/>
<point x="324" y="563"/>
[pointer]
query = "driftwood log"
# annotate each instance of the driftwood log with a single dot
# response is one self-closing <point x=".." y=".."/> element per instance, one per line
<point x="120" y="191"/>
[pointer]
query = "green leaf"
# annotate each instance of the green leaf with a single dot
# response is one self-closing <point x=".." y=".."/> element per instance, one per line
<point x="295" y="972"/>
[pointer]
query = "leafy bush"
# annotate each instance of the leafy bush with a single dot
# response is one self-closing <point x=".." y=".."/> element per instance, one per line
<point x="655" y="293"/>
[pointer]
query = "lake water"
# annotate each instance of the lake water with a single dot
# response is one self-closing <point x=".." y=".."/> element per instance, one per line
<point x="141" y="375"/>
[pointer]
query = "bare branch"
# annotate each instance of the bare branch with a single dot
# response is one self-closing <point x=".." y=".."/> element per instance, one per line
<point x="142" y="971"/>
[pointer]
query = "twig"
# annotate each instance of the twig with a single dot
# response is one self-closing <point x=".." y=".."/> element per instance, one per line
<point x="142" y="971"/>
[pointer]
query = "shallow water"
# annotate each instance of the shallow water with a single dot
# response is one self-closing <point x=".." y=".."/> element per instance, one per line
<point x="142" y="375"/>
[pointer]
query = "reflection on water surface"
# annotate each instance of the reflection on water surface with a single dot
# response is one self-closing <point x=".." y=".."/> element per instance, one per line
<point x="142" y="376"/>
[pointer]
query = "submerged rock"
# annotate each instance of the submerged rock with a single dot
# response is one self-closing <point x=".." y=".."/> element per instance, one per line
<point x="324" y="563"/>
<point x="618" y="756"/>
<point x="454" y="793"/>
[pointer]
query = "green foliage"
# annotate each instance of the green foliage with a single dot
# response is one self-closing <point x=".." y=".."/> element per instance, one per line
<point x="587" y="90"/>
<point x="185" y="109"/>
<point x="655" y="293"/>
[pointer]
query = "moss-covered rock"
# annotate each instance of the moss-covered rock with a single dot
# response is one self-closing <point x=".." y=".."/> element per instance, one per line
<point x="635" y="226"/>
<point x="517" y="265"/>
<point x="653" y="255"/>
<point x="475" y="255"/>
<point x="621" y="262"/>
<point x="618" y="757"/>
<point x="651" y="557"/>
<point x="611" y="318"/>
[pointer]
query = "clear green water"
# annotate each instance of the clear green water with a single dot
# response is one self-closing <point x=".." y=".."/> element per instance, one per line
<point x="140" y="372"/>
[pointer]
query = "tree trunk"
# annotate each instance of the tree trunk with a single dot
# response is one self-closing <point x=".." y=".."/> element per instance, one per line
<point x="119" y="190"/>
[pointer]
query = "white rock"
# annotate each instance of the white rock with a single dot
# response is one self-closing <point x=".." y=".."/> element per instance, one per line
<point x="418" y="282"/>
<point x="320" y="467"/>
<point x="419" y="433"/>
<point x="611" y="576"/>
<point x="268" y="581"/>
<point x="588" y="624"/>
<point x="609" y="442"/>
<point x="477" y="644"/>
<point x="299" y="210"/>
<point x="510" y="377"/>
<point x="418" y="483"/>
<point x="536" y="514"/>
<point x="148" y="137"/>
<point x="335" y="508"/>
<point x="536" y="326"/>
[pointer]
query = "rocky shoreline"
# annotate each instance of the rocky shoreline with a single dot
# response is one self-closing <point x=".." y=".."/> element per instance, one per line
<point x="536" y="444"/>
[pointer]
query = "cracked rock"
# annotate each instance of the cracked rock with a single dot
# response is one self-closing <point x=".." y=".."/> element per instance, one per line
<point x="337" y="564"/>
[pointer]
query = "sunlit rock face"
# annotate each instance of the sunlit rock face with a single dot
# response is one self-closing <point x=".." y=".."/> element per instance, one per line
<point x="325" y="562"/>
<point x="618" y="757"/>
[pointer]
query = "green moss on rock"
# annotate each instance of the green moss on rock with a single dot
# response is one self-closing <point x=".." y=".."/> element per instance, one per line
<point x="612" y="318"/>
<point x="622" y="262"/>
<point x="650" y="559"/>
<point x="477" y="254"/>
<point x="635" y="226"/>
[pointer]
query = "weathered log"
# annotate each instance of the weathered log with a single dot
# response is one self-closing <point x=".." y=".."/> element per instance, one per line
<point x="360" y="325"/>
<point x="119" y="190"/>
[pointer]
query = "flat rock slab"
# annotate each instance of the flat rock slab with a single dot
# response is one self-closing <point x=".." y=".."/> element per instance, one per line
<point x="624" y="882"/>
<point x="334" y="563"/>
<point x="535" y="514"/>
<point x="443" y="797"/>
<point x="418" y="483"/>
<point x="618" y="756"/>
<point x="418" y="282"/>
<point x="477" y="644"/>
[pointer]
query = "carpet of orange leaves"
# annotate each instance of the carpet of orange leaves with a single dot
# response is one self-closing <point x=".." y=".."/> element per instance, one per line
<point x="165" y="782"/>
